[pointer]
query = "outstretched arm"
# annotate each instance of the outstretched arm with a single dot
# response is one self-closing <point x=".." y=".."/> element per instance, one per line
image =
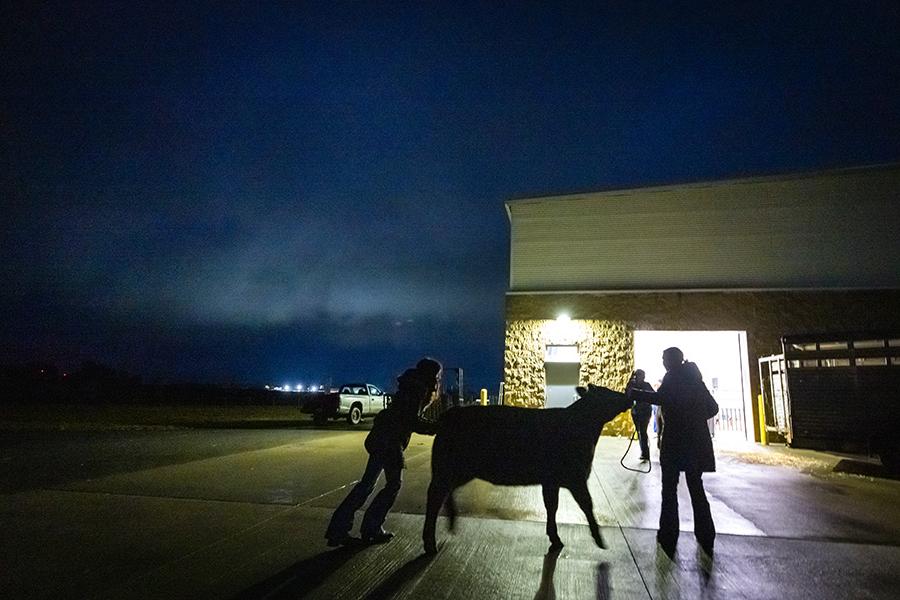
<point x="645" y="396"/>
<point x="659" y="398"/>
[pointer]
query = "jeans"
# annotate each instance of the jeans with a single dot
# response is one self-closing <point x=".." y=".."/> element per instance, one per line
<point x="704" y="529"/>
<point x="641" y="420"/>
<point x="342" y="519"/>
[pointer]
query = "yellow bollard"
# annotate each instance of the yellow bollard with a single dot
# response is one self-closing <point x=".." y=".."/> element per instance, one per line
<point x="483" y="397"/>
<point x="763" y="434"/>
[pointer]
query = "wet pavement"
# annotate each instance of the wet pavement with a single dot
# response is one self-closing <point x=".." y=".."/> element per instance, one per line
<point x="224" y="514"/>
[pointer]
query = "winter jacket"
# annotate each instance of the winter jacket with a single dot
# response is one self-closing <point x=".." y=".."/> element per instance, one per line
<point x="393" y="427"/>
<point x="686" y="405"/>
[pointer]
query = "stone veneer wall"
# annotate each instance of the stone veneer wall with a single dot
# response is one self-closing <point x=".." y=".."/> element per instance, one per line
<point x="607" y="358"/>
<point x="766" y="316"/>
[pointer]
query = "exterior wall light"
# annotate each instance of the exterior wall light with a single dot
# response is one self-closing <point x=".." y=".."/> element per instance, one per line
<point x="562" y="331"/>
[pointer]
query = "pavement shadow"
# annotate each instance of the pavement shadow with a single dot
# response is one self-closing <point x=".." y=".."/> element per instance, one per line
<point x="301" y="578"/>
<point x="665" y="573"/>
<point x="275" y="424"/>
<point x="705" y="564"/>
<point x="868" y="469"/>
<point x="546" y="589"/>
<point x="603" y="581"/>
<point x="393" y="584"/>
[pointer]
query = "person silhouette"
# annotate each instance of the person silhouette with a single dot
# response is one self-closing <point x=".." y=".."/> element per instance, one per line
<point x="641" y="412"/>
<point x="386" y="442"/>
<point x="686" y="447"/>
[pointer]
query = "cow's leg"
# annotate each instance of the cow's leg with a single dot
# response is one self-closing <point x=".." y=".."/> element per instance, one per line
<point x="551" y="503"/>
<point x="583" y="498"/>
<point x="437" y="493"/>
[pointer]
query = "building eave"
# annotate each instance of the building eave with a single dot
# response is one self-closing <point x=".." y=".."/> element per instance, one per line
<point x="598" y="292"/>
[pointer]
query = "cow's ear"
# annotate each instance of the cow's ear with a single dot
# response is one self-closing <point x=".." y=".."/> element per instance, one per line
<point x="581" y="391"/>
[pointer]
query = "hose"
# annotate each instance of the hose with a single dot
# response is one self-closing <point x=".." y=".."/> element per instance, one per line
<point x="627" y="450"/>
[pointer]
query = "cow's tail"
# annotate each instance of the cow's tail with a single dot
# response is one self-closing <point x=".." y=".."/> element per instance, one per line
<point x="451" y="511"/>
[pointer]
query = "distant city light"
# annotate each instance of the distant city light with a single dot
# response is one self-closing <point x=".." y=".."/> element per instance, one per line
<point x="296" y="388"/>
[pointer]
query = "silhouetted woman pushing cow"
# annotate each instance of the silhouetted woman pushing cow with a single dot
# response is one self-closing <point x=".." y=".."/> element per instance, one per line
<point x="385" y="444"/>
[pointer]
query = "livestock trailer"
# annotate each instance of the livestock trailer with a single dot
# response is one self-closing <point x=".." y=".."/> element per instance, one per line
<point x="835" y="392"/>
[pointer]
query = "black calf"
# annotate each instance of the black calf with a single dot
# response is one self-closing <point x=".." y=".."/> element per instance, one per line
<point x="521" y="446"/>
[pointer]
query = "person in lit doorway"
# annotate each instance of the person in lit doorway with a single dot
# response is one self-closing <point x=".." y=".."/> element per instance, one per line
<point x="385" y="444"/>
<point x="641" y="412"/>
<point x="685" y="447"/>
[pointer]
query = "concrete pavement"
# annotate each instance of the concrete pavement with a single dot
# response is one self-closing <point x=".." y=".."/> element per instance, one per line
<point x="217" y="514"/>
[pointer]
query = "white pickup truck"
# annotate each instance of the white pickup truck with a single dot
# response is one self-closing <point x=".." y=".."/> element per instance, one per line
<point x="352" y="401"/>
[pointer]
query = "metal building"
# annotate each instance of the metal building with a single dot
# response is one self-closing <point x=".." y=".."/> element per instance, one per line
<point x="601" y="282"/>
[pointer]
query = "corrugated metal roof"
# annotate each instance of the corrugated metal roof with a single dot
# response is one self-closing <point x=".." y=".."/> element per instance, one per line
<point x="829" y="229"/>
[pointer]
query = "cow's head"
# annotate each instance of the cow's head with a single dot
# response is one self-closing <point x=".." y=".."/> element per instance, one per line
<point x="600" y="403"/>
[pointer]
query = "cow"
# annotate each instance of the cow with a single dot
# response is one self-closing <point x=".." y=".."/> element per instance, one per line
<point x="506" y="445"/>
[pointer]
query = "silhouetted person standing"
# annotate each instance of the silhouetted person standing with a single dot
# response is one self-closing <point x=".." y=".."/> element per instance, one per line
<point x="641" y="412"/>
<point x="686" y="446"/>
<point x="385" y="443"/>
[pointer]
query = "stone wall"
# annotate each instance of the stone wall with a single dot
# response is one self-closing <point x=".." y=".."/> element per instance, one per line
<point x="606" y="349"/>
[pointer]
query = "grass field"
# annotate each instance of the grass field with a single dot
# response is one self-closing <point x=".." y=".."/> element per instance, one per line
<point x="86" y="417"/>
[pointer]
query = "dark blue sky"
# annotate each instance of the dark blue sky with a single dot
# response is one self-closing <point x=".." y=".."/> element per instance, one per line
<point x="270" y="194"/>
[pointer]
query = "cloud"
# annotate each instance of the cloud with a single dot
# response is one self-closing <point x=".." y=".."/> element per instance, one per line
<point x="272" y="263"/>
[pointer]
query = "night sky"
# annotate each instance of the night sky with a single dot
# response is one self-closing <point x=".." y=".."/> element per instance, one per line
<point x="265" y="194"/>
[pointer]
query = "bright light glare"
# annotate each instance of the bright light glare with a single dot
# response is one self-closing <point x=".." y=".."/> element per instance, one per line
<point x="563" y="330"/>
<point x="299" y="387"/>
<point x="718" y="354"/>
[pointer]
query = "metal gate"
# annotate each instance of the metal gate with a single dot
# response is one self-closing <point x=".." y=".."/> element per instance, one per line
<point x="776" y="399"/>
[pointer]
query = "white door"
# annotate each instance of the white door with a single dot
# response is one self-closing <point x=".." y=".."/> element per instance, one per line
<point x="376" y="400"/>
<point x="561" y="367"/>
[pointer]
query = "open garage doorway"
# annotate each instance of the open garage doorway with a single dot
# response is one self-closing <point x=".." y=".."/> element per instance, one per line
<point x="721" y="357"/>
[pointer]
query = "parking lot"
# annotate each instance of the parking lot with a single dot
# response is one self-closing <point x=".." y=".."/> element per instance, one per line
<point x="216" y="513"/>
